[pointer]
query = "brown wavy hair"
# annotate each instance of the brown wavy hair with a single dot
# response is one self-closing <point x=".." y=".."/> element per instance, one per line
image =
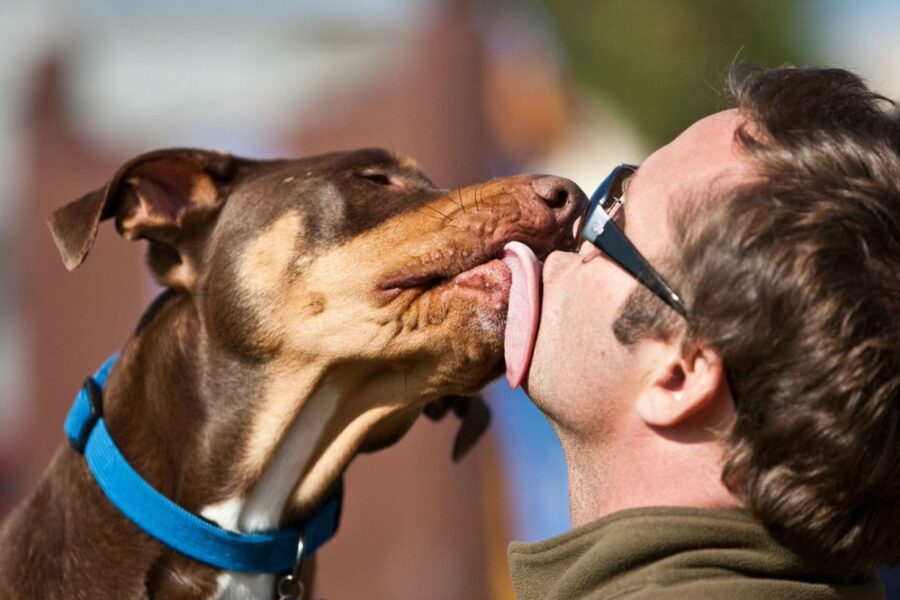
<point x="795" y="279"/>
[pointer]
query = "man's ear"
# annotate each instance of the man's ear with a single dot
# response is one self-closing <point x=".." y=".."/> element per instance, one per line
<point x="163" y="196"/>
<point x="686" y="382"/>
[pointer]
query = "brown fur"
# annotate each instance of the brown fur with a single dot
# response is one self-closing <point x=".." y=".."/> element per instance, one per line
<point x="277" y="312"/>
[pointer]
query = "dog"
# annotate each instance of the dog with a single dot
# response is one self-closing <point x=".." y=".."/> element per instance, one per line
<point x="313" y="309"/>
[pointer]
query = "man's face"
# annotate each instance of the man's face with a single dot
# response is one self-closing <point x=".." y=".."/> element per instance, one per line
<point x="581" y="376"/>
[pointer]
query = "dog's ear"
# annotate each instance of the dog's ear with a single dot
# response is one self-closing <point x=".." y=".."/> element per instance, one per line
<point x="472" y="411"/>
<point x="160" y="196"/>
<point x="474" y="414"/>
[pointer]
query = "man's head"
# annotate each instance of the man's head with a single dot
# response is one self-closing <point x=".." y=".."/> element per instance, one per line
<point x="589" y="289"/>
<point x="778" y="222"/>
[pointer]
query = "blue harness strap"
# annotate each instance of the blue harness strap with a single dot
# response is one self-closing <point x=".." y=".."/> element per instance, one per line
<point x="276" y="551"/>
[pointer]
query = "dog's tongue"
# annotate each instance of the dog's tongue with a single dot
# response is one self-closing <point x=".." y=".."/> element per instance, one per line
<point x="524" y="310"/>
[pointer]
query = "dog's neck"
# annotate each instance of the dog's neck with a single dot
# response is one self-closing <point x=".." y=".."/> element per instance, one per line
<point x="168" y="415"/>
<point x="213" y="431"/>
<point x="183" y="418"/>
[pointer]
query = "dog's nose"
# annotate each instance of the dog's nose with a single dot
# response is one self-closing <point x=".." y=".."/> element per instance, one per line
<point x="557" y="192"/>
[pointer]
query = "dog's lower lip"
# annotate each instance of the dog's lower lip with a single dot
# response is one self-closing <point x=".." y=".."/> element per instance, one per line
<point x="419" y="283"/>
<point x="475" y="277"/>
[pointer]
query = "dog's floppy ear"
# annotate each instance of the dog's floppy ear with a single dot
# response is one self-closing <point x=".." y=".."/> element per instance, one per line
<point x="474" y="414"/>
<point x="155" y="196"/>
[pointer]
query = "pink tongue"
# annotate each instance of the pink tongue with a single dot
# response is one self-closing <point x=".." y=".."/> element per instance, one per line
<point x="524" y="310"/>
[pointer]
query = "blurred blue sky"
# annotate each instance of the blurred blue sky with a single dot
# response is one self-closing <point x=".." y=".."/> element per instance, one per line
<point x="861" y="36"/>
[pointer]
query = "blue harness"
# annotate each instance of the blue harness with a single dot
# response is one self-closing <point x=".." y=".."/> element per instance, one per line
<point x="277" y="551"/>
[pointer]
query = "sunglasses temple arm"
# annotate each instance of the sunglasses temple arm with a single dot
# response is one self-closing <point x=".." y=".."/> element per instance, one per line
<point x="617" y="246"/>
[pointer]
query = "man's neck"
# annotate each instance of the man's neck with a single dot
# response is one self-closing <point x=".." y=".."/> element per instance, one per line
<point x="643" y="469"/>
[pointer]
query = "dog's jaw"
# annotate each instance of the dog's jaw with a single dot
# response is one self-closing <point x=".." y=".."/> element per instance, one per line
<point x="296" y="460"/>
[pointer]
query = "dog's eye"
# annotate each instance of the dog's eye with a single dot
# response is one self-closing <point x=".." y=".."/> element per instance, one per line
<point x="376" y="177"/>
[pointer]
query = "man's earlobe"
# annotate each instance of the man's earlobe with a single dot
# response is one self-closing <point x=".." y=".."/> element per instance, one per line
<point x="684" y="385"/>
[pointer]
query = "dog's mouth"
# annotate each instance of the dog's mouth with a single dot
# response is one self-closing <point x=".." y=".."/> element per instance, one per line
<point x="481" y="271"/>
<point x="503" y="285"/>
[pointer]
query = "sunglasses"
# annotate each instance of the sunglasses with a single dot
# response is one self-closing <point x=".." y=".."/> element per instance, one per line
<point x="599" y="229"/>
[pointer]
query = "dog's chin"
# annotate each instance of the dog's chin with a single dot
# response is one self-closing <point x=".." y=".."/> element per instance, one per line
<point x="473" y="355"/>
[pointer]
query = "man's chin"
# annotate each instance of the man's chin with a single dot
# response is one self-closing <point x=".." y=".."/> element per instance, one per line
<point x="531" y="382"/>
<point x="531" y="385"/>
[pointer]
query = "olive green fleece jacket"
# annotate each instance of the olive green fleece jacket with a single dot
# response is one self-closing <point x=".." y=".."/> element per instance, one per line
<point x="676" y="553"/>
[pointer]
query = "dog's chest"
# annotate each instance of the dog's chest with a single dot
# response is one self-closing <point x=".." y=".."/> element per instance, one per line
<point x="243" y="586"/>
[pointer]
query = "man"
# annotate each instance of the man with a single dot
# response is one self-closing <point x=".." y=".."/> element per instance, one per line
<point x="728" y="398"/>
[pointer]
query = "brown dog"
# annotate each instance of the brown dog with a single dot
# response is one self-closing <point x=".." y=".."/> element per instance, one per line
<point x="314" y="308"/>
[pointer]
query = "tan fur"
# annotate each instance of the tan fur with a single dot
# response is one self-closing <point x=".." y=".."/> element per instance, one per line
<point x="279" y="404"/>
<point x="203" y="190"/>
<point x="267" y="259"/>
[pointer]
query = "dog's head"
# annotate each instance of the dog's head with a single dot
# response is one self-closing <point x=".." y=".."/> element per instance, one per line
<point x="347" y="272"/>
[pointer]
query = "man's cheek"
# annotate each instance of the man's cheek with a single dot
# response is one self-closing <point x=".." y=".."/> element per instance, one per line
<point x="560" y="315"/>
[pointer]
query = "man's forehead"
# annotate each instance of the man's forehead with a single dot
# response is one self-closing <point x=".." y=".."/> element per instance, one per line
<point x="705" y="151"/>
<point x="704" y="156"/>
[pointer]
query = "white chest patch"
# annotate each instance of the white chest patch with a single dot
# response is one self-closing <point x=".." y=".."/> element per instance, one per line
<point x="261" y="510"/>
<point x="242" y="586"/>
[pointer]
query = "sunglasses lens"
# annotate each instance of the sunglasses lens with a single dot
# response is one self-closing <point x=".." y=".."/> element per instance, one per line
<point x="597" y="200"/>
<point x="607" y="197"/>
<point x="616" y="191"/>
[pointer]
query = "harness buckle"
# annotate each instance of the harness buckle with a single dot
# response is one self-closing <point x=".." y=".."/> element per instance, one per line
<point x="95" y="400"/>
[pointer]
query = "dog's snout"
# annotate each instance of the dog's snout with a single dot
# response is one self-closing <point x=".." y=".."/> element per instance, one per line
<point x="557" y="192"/>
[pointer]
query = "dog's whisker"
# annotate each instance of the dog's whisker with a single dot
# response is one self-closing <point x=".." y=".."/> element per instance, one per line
<point x="462" y="204"/>
<point x="447" y="217"/>
<point x="452" y="199"/>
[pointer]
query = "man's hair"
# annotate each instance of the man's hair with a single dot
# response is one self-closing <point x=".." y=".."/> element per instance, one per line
<point x="794" y="278"/>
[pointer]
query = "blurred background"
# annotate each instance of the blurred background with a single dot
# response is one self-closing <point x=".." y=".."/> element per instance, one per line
<point x="472" y="90"/>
